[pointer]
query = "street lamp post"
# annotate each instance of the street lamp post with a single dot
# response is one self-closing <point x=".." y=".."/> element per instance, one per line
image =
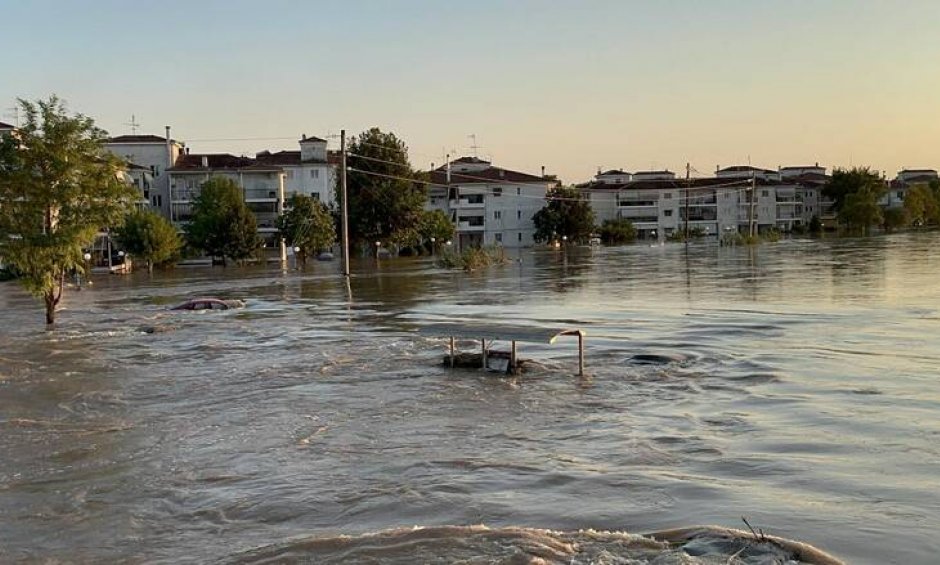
<point x="87" y="258"/>
<point x="433" y="240"/>
<point x="378" y="245"/>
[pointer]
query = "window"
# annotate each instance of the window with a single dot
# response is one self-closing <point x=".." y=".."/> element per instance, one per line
<point x="497" y="215"/>
<point x="667" y="213"/>
<point x="900" y="195"/>
<point x="498" y="191"/>
<point x="518" y="214"/>
<point x="667" y="196"/>
<point x="764" y="194"/>
<point x="518" y="191"/>
<point x="519" y="236"/>
<point x="156" y="171"/>
<point x="314" y="173"/>
<point x="499" y="238"/>
<point x="315" y="196"/>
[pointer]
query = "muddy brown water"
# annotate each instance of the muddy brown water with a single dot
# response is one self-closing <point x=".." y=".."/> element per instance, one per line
<point x="795" y="384"/>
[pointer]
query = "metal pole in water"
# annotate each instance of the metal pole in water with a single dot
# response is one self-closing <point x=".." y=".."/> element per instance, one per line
<point x="345" y="202"/>
<point x="452" y="352"/>
<point x="580" y="354"/>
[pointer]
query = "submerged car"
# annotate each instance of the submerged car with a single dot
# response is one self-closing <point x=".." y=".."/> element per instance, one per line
<point x="209" y="304"/>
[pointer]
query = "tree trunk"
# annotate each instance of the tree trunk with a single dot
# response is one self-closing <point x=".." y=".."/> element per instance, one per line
<point x="49" y="299"/>
<point x="150" y="266"/>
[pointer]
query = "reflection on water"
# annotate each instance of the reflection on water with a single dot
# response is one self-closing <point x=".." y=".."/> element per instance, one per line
<point x="794" y="384"/>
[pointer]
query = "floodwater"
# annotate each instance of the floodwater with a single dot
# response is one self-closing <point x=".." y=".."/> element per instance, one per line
<point x="794" y="384"/>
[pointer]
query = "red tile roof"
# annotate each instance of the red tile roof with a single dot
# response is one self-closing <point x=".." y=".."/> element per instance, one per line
<point x="279" y="158"/>
<point x="137" y="139"/>
<point x="491" y="175"/>
<point x="193" y="162"/>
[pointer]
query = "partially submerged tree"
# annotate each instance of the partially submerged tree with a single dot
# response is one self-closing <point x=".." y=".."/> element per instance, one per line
<point x="617" y="232"/>
<point x="845" y="182"/>
<point x="567" y="214"/>
<point x="922" y="205"/>
<point x="222" y="225"/>
<point x="58" y="188"/>
<point x="436" y="226"/>
<point x="150" y="237"/>
<point x="307" y="225"/>
<point x="860" y="211"/>
<point x="386" y="196"/>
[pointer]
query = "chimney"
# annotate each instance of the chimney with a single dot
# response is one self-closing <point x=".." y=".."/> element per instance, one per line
<point x="817" y="164"/>
<point x="543" y="171"/>
<point x="303" y="137"/>
<point x="205" y="161"/>
<point x="448" y="168"/>
<point x="169" y="150"/>
<point x="717" y="168"/>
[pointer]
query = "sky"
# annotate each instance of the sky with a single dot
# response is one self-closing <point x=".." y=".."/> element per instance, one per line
<point x="569" y="85"/>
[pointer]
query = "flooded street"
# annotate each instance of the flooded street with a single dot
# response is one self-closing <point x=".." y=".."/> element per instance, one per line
<point x="794" y="384"/>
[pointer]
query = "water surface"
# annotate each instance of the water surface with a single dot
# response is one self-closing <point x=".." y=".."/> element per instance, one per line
<point x="794" y="384"/>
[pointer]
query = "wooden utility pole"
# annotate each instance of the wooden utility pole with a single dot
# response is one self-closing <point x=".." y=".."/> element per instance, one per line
<point x="688" y="191"/>
<point x="751" y="220"/>
<point x="345" y="202"/>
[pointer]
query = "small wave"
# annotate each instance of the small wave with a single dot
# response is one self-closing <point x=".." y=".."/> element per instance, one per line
<point x="529" y="546"/>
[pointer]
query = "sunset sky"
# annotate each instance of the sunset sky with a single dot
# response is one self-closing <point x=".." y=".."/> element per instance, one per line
<point x="569" y="85"/>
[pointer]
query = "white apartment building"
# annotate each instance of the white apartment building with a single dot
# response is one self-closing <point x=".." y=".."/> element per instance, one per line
<point x="158" y="154"/>
<point x="489" y="205"/>
<point x="310" y="171"/>
<point x="659" y="204"/>
<point x="263" y="186"/>
<point x="904" y="181"/>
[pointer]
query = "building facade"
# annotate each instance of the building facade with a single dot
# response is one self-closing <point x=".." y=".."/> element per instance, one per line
<point x="158" y="154"/>
<point x="488" y="205"/>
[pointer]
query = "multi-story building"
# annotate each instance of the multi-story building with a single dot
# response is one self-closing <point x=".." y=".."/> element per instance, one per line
<point x="904" y="181"/>
<point x="156" y="153"/>
<point x="659" y="205"/>
<point x="310" y="171"/>
<point x="489" y="205"/>
<point x="262" y="185"/>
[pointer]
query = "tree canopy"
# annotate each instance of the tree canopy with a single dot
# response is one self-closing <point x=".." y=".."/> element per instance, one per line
<point x="58" y="188"/>
<point x="850" y="181"/>
<point x="922" y="205"/>
<point x="617" y="232"/>
<point x="150" y="237"/>
<point x="567" y="213"/>
<point x="386" y="196"/>
<point x="436" y="224"/>
<point x="307" y="225"/>
<point x="222" y="225"/>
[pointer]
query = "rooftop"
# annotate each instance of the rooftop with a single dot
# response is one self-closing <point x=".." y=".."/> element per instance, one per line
<point x="4" y="125"/>
<point x="311" y="139"/>
<point x="225" y="161"/>
<point x="137" y="139"/>
<point x="613" y="172"/>
<point x="484" y="176"/>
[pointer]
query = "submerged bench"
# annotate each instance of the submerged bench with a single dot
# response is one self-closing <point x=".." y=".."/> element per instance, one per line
<point x="512" y="334"/>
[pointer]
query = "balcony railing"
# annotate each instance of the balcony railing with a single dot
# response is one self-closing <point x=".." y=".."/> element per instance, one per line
<point x="466" y="203"/>
<point x="261" y="193"/>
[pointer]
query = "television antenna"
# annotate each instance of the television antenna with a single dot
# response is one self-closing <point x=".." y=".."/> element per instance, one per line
<point x="134" y="124"/>
<point x="473" y="146"/>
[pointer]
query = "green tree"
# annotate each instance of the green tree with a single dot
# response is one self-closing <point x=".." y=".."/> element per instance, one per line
<point x="893" y="219"/>
<point x="860" y="211"/>
<point x="58" y="188"/>
<point x="617" y="232"/>
<point x="845" y="182"/>
<point x="922" y="205"/>
<point x="566" y="214"/>
<point x="307" y="225"/>
<point x="386" y="196"/>
<point x="435" y="224"/>
<point x="815" y="225"/>
<point x="148" y="236"/>
<point x="222" y="225"/>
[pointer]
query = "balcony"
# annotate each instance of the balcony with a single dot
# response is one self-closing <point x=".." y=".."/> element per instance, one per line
<point x="470" y="203"/>
<point x="629" y="203"/>
<point x="789" y="199"/>
<point x="261" y="193"/>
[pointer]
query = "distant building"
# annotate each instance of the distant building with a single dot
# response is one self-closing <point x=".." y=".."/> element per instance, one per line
<point x="489" y="205"/>
<point x="155" y="153"/>
<point x="262" y="185"/>
<point x="613" y="176"/>
<point x="6" y="129"/>
<point x="310" y="171"/>
<point x="659" y="205"/>
<point x="904" y="181"/>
